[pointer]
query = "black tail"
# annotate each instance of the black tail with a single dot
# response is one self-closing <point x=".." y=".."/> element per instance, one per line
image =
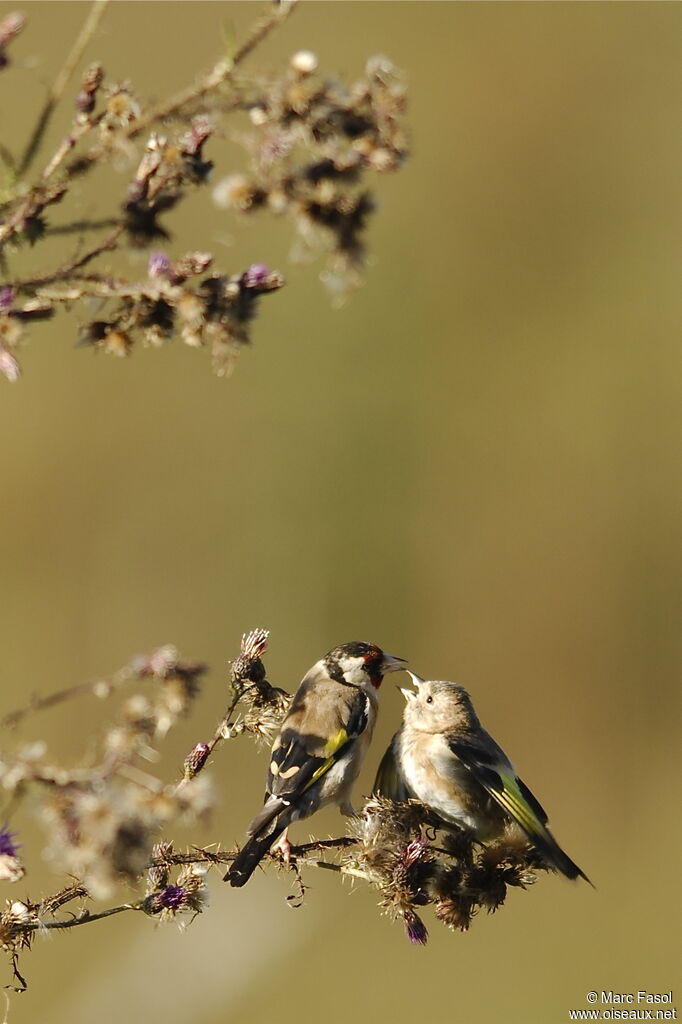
<point x="250" y="856"/>
<point x="555" y="856"/>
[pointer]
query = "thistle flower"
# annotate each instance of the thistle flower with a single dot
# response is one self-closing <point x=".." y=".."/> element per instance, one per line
<point x="13" y="921"/>
<point x="10" y="26"/>
<point x="159" y="874"/>
<point x="196" y="759"/>
<point x="159" y="264"/>
<point x="11" y="868"/>
<point x="255" y="276"/>
<point x="8" y="847"/>
<point x="403" y="850"/>
<point x="172" y="897"/>
<point x="264" y="715"/>
<point x="304" y="62"/>
<point x="248" y="667"/>
<point x="236" y="192"/>
<point x="87" y="94"/>
<point x="417" y="931"/>
<point x="312" y="144"/>
<point x="188" y="895"/>
<point x="120" y="109"/>
<point x="264" y="705"/>
<point x="9" y="365"/>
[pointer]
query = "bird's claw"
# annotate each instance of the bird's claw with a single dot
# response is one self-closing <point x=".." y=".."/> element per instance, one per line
<point x="283" y="848"/>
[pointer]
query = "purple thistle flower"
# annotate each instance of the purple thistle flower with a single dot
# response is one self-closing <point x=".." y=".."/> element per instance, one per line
<point x="159" y="265"/>
<point x="416" y="930"/>
<point x="256" y="275"/>
<point x="162" y="661"/>
<point x="7" y="296"/>
<point x="8" y="847"/>
<point x="10" y="26"/>
<point x="9" y="366"/>
<point x="173" y="897"/>
<point x="414" y="851"/>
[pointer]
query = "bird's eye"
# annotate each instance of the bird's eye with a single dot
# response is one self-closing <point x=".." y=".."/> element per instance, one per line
<point x="429" y="700"/>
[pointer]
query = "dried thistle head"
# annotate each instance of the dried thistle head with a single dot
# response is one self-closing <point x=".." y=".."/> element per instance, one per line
<point x="216" y="313"/>
<point x="263" y="706"/>
<point x="86" y="97"/>
<point x="14" y="934"/>
<point x="159" y="873"/>
<point x="414" y="860"/>
<point x="167" y="167"/>
<point x="248" y="667"/>
<point x="121" y="109"/>
<point x="313" y="142"/>
<point x="195" y="760"/>
<point x="265" y="711"/>
<point x="393" y="852"/>
<point x="105" y="833"/>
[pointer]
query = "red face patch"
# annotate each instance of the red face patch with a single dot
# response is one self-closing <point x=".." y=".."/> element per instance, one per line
<point x="373" y="660"/>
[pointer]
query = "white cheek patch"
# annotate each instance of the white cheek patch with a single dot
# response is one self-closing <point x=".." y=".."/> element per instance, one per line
<point x="353" y="668"/>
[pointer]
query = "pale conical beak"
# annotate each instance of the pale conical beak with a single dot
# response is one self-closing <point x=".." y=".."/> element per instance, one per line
<point x="389" y="663"/>
<point x="417" y="681"/>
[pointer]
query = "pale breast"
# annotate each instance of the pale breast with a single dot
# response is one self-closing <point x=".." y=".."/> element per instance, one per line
<point x="438" y="778"/>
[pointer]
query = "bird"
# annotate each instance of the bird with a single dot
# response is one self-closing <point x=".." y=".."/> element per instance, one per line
<point x="443" y="757"/>
<point x="321" y="744"/>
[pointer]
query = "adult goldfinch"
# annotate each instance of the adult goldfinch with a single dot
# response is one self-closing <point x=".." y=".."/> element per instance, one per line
<point x="319" y="749"/>
<point x="444" y="757"/>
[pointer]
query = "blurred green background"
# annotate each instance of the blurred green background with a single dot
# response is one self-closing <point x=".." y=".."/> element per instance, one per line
<point x="474" y="463"/>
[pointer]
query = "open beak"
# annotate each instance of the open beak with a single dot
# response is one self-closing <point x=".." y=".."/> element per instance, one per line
<point x="389" y="663"/>
<point x="417" y="680"/>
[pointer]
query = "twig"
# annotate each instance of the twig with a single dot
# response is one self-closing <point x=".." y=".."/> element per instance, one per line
<point x="302" y="858"/>
<point x="219" y="734"/>
<point x="330" y="865"/>
<point x="78" y="226"/>
<point x="67" y="144"/>
<point x="98" y="688"/>
<point x="343" y="842"/>
<point x="85" y="918"/>
<point x="7" y="157"/>
<point x="201" y="856"/>
<point x="66" y="272"/>
<point x="204" y="856"/>
<point x="16" y="973"/>
<point x="220" y="74"/>
<point x="213" y="79"/>
<point x="60" y="83"/>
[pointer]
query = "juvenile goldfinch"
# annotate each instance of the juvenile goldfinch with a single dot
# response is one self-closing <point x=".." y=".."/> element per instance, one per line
<point x="319" y="749"/>
<point x="444" y="757"/>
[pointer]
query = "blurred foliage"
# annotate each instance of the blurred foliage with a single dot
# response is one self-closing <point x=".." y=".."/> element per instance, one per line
<point x="474" y="463"/>
<point x="312" y="142"/>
